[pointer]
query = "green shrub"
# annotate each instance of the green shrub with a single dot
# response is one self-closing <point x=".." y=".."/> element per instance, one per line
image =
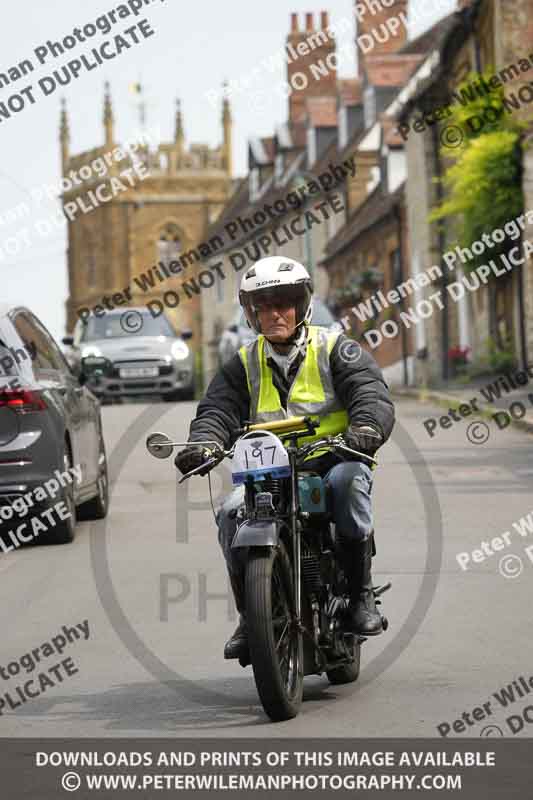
<point x="483" y="183"/>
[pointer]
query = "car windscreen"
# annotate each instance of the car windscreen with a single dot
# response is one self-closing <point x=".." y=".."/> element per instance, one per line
<point x="114" y="326"/>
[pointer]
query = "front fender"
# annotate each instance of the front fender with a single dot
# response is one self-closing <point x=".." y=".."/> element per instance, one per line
<point x="257" y="533"/>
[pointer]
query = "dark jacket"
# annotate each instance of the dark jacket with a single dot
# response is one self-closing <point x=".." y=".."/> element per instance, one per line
<point x="358" y="384"/>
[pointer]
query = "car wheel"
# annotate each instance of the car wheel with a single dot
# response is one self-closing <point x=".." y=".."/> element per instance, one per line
<point x="65" y="530"/>
<point x="97" y="507"/>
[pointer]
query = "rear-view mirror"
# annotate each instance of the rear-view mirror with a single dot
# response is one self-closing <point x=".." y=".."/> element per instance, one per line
<point x="159" y="445"/>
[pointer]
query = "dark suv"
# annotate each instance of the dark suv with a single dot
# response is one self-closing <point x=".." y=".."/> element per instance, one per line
<point x="50" y="426"/>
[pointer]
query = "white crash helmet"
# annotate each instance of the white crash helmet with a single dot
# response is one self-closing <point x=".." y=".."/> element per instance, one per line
<point x="274" y="276"/>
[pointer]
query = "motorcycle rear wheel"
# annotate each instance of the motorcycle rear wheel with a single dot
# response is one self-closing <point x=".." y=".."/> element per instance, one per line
<point x="276" y="646"/>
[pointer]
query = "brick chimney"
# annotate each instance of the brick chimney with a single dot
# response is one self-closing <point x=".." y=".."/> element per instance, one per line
<point x="372" y="15"/>
<point x="311" y="63"/>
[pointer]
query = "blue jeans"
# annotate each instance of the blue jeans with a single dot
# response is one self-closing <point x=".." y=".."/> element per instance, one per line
<point x="349" y="488"/>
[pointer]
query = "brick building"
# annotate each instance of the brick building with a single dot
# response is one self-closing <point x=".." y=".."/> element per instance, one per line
<point x="482" y="34"/>
<point x="382" y="241"/>
<point x="370" y="254"/>
<point x="331" y="121"/>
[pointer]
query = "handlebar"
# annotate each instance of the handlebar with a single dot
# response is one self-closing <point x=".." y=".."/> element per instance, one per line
<point x="291" y="425"/>
<point x="160" y="445"/>
<point x="331" y="442"/>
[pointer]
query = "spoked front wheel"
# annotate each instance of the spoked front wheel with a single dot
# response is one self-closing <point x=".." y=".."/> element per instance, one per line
<point x="276" y="646"/>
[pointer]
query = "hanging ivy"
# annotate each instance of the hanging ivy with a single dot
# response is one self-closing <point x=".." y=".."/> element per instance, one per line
<point x="483" y="183"/>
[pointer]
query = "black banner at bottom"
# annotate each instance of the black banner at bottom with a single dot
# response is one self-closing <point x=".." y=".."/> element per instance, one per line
<point x="322" y="768"/>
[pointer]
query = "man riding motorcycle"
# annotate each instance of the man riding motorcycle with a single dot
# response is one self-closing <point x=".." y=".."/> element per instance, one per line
<point x="294" y="369"/>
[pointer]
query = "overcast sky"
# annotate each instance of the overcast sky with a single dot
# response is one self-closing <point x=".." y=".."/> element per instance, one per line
<point x="195" y="47"/>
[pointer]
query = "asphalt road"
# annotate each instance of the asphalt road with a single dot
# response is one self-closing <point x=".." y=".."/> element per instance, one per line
<point x="153" y="666"/>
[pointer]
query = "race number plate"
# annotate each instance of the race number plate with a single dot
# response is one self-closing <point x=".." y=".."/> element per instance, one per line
<point x="257" y="454"/>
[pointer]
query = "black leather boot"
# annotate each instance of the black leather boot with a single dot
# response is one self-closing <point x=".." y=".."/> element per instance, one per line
<point x="237" y="645"/>
<point x="365" y="618"/>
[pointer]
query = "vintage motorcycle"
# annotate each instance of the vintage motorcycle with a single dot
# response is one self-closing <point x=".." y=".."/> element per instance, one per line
<point x="296" y="595"/>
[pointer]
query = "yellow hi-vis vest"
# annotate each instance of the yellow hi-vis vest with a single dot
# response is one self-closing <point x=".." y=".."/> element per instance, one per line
<point x="311" y="393"/>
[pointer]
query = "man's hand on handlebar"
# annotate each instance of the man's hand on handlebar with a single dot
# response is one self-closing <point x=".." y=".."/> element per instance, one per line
<point x="364" y="438"/>
<point x="192" y="457"/>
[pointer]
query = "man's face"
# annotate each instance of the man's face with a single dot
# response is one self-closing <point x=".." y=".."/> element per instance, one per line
<point x="277" y="319"/>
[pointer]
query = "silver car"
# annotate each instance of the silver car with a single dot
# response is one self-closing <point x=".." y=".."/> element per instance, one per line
<point x="128" y="352"/>
<point x="238" y="332"/>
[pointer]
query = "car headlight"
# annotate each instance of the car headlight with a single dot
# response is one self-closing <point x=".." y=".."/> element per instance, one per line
<point x="93" y="366"/>
<point x="179" y="350"/>
<point x="91" y="351"/>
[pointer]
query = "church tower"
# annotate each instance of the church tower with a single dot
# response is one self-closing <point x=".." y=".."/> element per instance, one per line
<point x="122" y="231"/>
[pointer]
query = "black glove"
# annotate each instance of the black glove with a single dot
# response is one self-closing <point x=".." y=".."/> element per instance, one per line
<point x="365" y="438"/>
<point x="192" y="457"/>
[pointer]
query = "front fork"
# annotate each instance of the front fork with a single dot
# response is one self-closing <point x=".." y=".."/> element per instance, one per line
<point x="296" y="530"/>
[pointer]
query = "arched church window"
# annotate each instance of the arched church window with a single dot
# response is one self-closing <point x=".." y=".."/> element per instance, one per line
<point x="169" y="244"/>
